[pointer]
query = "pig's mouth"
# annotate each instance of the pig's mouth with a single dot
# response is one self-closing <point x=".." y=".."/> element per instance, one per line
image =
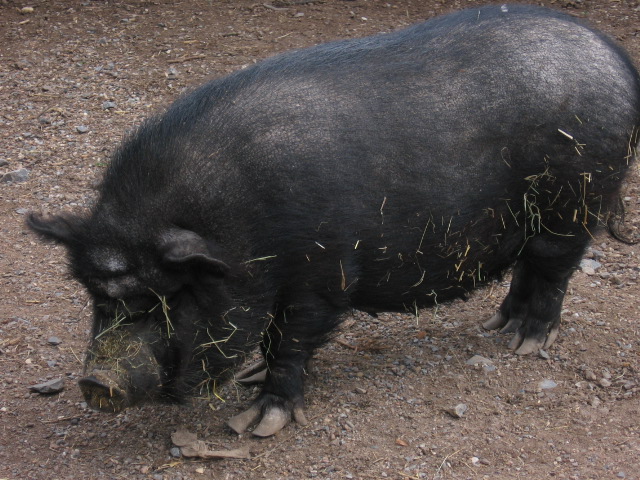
<point x="102" y="391"/>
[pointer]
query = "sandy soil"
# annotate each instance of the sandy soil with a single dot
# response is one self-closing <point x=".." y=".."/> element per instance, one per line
<point x="75" y="75"/>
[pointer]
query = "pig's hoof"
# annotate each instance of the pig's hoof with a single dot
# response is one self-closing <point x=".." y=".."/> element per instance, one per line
<point x="256" y="373"/>
<point x="495" y="322"/>
<point x="525" y="345"/>
<point x="239" y="423"/>
<point x="521" y="343"/>
<point x="272" y="418"/>
<point x="502" y="322"/>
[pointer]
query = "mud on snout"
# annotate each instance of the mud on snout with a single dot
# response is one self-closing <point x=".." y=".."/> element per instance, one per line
<point x="120" y="372"/>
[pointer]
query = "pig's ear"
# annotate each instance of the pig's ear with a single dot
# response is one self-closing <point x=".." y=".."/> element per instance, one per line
<point x="62" y="228"/>
<point x="187" y="249"/>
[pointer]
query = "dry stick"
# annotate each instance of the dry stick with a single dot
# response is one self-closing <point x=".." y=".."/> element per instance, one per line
<point x="74" y="354"/>
<point x="271" y="7"/>
<point x="346" y="344"/>
<point x="60" y="419"/>
<point x="186" y="59"/>
<point x="443" y="462"/>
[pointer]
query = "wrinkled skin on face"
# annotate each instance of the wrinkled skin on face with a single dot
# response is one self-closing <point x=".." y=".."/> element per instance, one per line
<point x="163" y="324"/>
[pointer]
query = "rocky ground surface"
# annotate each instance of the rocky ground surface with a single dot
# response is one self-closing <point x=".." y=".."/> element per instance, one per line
<point x="398" y="396"/>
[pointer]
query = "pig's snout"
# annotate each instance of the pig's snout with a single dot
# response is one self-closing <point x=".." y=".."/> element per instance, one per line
<point x="121" y="372"/>
<point x="102" y="391"/>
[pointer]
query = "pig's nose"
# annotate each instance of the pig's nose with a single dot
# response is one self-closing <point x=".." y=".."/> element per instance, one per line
<point x="102" y="391"/>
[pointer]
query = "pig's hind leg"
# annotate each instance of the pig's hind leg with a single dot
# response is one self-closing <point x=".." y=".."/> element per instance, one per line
<point x="533" y="305"/>
<point x="287" y="346"/>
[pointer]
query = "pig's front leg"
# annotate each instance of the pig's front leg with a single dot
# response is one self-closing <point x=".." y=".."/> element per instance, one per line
<point x="287" y="345"/>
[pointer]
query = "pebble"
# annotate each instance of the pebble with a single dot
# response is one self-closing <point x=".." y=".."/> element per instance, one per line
<point x="458" y="411"/>
<point x="605" y="383"/>
<point x="589" y="266"/>
<point x="589" y="375"/>
<point x="597" y="254"/>
<point x="543" y="354"/>
<point x="3" y="162"/>
<point x="52" y="386"/>
<point x="547" y="384"/>
<point x="479" y="360"/>
<point x="82" y="129"/>
<point x="54" y="341"/>
<point x="175" y="452"/>
<point x="20" y="175"/>
<point x="108" y="105"/>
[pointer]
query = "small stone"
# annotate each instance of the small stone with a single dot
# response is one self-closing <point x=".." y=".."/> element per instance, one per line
<point x="16" y="176"/>
<point x="458" y="411"/>
<point x="54" y="341"/>
<point x="199" y="470"/>
<point x="52" y="386"/>
<point x="589" y="266"/>
<point x="360" y="390"/>
<point x="145" y="469"/>
<point x="543" y="354"/>
<point x="108" y="105"/>
<point x="479" y="360"/>
<point x="3" y="162"/>
<point x="26" y="10"/>
<point x="402" y="442"/>
<point x="82" y="129"/>
<point x="621" y="475"/>
<point x="589" y="375"/>
<point x="604" y="383"/>
<point x="547" y="384"/>
<point x="22" y="211"/>
<point x="475" y="460"/>
<point x="616" y="280"/>
<point x="488" y="368"/>
<point x="175" y="452"/>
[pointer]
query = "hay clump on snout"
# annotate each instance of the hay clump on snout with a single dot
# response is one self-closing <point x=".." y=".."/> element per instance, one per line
<point x="121" y="368"/>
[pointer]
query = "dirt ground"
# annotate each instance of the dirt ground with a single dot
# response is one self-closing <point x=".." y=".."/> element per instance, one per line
<point x="75" y="75"/>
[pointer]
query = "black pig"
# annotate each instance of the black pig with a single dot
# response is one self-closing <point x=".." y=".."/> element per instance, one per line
<point x="387" y="173"/>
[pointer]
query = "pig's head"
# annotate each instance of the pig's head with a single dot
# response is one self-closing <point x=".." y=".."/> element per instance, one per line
<point x="163" y="319"/>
